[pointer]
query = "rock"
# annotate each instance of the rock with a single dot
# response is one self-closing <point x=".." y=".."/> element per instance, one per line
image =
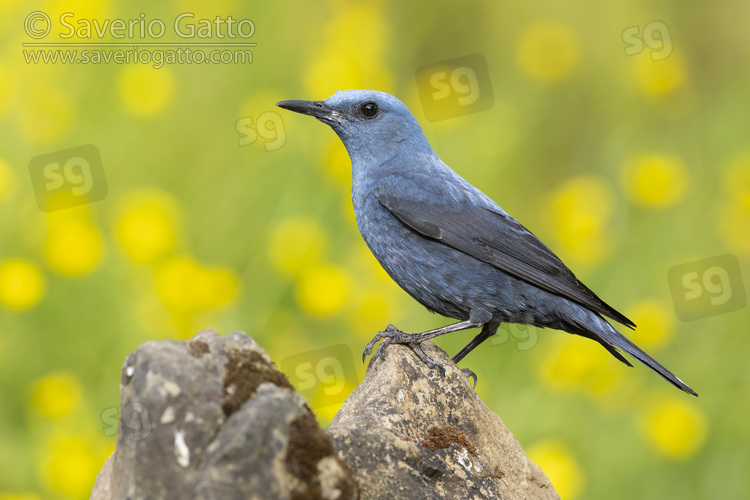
<point x="212" y="418"/>
<point x="103" y="483"/>
<point x="408" y="433"/>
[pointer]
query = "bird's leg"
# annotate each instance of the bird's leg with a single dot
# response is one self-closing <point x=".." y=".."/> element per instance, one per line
<point x="488" y="330"/>
<point x="393" y="335"/>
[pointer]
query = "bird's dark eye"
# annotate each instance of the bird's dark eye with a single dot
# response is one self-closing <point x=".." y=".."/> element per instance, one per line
<point x="368" y="109"/>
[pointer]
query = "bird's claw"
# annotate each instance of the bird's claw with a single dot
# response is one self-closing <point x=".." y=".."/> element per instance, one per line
<point x="388" y="333"/>
<point x="470" y="374"/>
<point x="381" y="348"/>
<point x="392" y="335"/>
<point x="431" y="363"/>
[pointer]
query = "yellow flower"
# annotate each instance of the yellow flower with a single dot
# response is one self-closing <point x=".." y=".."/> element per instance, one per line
<point x="350" y="57"/>
<point x="326" y="413"/>
<point x="736" y="179"/>
<point x="578" y="214"/>
<point x="145" y="91"/>
<point x="147" y="225"/>
<point x="560" y="466"/>
<point x="185" y="285"/>
<point x="655" y="180"/>
<point x="674" y="426"/>
<point x="295" y="244"/>
<point x="655" y="320"/>
<point x="323" y="290"/>
<point x="330" y="67"/>
<point x="337" y="163"/>
<point x="215" y="287"/>
<point x="56" y="395"/>
<point x="7" y="181"/>
<point x="70" y="464"/>
<point x="548" y="51"/>
<point x="345" y="29"/>
<point x="372" y="312"/>
<point x="185" y="323"/>
<point x="48" y="114"/>
<point x="83" y="9"/>
<point x="735" y="213"/>
<point x="21" y="284"/>
<point x="734" y="219"/>
<point x="576" y="364"/>
<point x="658" y="78"/>
<point x="73" y="246"/>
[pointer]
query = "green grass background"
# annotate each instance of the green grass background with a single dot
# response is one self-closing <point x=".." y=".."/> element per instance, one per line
<point x="625" y="165"/>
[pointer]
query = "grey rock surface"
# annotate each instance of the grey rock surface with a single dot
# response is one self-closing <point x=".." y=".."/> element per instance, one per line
<point x="408" y="433"/>
<point x="212" y="418"/>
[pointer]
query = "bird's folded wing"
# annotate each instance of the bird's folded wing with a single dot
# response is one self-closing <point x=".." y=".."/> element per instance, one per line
<point x="469" y="225"/>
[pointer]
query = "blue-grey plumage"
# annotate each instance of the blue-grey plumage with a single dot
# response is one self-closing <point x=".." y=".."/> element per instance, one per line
<point x="448" y="244"/>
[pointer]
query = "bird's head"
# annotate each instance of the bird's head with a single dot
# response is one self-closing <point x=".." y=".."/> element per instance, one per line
<point x="372" y="124"/>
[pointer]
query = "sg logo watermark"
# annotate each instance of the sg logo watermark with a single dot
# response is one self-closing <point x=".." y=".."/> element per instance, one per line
<point x="135" y="420"/>
<point x="655" y="36"/>
<point x="324" y="376"/>
<point x="68" y="178"/>
<point x="269" y="127"/>
<point x="455" y="87"/>
<point x="707" y="287"/>
<point x="526" y="336"/>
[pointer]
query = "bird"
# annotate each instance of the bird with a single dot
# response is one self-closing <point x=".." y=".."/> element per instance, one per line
<point x="449" y="245"/>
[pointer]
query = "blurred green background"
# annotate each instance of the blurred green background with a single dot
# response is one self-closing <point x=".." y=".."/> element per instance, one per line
<point x="618" y="133"/>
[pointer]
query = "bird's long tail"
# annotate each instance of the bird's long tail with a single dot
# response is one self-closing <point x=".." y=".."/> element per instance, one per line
<point x="612" y="340"/>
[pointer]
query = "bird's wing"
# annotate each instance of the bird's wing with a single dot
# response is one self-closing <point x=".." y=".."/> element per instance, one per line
<point x="473" y="224"/>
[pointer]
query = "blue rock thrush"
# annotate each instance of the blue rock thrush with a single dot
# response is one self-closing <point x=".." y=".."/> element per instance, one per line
<point x="449" y="245"/>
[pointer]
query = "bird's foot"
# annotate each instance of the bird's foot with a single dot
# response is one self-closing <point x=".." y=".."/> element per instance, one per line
<point x="470" y="374"/>
<point x="392" y="335"/>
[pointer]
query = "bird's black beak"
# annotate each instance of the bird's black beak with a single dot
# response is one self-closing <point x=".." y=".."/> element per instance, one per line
<point x="318" y="109"/>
